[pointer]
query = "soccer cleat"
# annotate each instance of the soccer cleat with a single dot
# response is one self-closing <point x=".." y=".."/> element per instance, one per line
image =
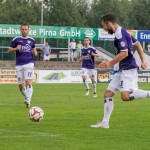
<point x="27" y="104"/>
<point x="100" y="125"/>
<point x="95" y="95"/>
<point x="87" y="92"/>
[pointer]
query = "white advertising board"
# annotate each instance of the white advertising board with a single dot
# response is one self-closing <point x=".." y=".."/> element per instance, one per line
<point x="61" y="76"/>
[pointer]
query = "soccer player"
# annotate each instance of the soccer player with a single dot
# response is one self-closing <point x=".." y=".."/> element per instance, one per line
<point x="87" y="56"/>
<point x="24" y="47"/>
<point x="126" y="79"/>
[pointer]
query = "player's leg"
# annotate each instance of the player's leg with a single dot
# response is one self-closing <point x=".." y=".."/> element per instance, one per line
<point x="28" y="73"/>
<point x="84" y="78"/>
<point x="92" y="76"/>
<point x="20" y="78"/>
<point x="108" y="109"/>
<point x="129" y="86"/>
<point x="108" y="102"/>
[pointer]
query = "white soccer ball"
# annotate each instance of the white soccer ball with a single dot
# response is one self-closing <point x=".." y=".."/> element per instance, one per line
<point x="36" y="114"/>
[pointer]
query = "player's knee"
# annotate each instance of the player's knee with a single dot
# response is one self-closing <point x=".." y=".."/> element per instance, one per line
<point x="28" y="82"/>
<point x="84" y="78"/>
<point x="93" y="80"/>
<point x="125" y="97"/>
<point x="108" y="94"/>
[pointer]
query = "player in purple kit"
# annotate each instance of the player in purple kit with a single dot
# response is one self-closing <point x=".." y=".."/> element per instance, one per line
<point x="125" y="80"/>
<point x="24" y="47"/>
<point x="88" y="52"/>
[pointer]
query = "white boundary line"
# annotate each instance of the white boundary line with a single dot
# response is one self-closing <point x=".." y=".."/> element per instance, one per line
<point x="30" y="134"/>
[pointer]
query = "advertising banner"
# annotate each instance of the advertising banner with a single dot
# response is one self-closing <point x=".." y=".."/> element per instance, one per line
<point x="9" y="30"/>
<point x="144" y="76"/>
<point x="104" y="76"/>
<point x="143" y="36"/>
<point x="61" y="76"/>
<point x="9" y="76"/>
<point x="103" y="35"/>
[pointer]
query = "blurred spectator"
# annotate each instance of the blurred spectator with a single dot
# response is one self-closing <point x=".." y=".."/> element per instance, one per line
<point x="72" y="47"/>
<point x="79" y="46"/>
<point x="47" y="51"/>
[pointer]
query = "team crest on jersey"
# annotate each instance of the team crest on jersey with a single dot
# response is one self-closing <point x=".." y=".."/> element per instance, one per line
<point x="122" y="44"/>
<point x="89" y="51"/>
<point x="28" y="41"/>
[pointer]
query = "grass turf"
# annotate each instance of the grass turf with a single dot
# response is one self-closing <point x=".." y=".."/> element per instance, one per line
<point x="68" y="116"/>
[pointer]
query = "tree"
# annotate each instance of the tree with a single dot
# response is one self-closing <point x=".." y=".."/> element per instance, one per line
<point x="139" y="17"/>
<point x="17" y="12"/>
<point x="62" y="13"/>
<point x="100" y="7"/>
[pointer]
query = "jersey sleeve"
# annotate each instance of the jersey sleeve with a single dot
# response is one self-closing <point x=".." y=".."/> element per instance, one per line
<point x="94" y="50"/>
<point x="33" y="46"/>
<point x="122" y="44"/>
<point x="134" y="40"/>
<point x="13" y="43"/>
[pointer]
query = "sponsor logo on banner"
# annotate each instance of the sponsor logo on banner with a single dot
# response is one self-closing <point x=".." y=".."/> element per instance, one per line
<point x="90" y="33"/>
<point x="9" y="76"/>
<point x="61" y="76"/>
<point x="104" y="76"/>
<point x="143" y="36"/>
<point x="144" y="76"/>
<point x="103" y="35"/>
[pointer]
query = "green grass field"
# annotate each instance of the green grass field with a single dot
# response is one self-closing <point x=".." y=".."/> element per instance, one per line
<point x="68" y="116"/>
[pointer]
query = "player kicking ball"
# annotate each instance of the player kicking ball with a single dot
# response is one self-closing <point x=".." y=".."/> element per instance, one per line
<point x="126" y="78"/>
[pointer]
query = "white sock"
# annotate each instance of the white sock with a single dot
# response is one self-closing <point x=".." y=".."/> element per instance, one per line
<point x="94" y="85"/>
<point x="29" y="91"/>
<point x="108" y="108"/>
<point x="137" y="94"/>
<point x="86" y="84"/>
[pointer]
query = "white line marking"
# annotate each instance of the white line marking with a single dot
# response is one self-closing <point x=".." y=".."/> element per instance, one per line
<point x="30" y="134"/>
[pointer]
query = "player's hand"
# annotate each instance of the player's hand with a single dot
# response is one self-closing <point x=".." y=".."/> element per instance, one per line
<point x="92" y="54"/>
<point x="144" y="65"/>
<point x="18" y="47"/>
<point x="104" y="64"/>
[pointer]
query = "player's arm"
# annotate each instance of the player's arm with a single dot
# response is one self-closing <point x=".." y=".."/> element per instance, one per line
<point x="34" y="51"/>
<point x="95" y="54"/>
<point x="109" y="64"/>
<point x="139" y="49"/>
<point x="13" y="50"/>
<point x="81" y="58"/>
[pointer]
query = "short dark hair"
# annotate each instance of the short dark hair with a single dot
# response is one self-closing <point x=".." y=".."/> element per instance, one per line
<point x="86" y="38"/>
<point x="109" y="17"/>
<point x="25" y="24"/>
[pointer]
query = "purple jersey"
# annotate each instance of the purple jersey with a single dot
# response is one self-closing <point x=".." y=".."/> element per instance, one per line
<point x="88" y="59"/>
<point x="133" y="40"/>
<point x="24" y="55"/>
<point x="123" y="42"/>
